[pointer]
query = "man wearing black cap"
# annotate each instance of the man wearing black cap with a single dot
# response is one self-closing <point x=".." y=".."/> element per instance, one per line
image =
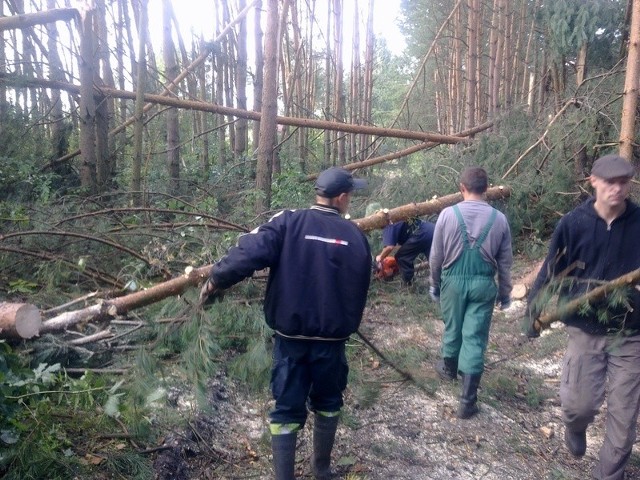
<point x="594" y="243"/>
<point x="320" y="268"/>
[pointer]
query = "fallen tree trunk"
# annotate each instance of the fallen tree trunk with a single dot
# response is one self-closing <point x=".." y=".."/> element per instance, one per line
<point x="19" y="320"/>
<point x="385" y="217"/>
<point x="106" y="309"/>
<point x="594" y="295"/>
<point x="119" y="306"/>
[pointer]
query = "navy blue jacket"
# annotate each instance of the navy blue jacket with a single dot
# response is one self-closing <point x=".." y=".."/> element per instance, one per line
<point x="398" y="233"/>
<point x="607" y="253"/>
<point x="320" y="268"/>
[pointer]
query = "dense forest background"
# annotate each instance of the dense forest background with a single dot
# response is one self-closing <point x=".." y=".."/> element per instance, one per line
<point x="126" y="160"/>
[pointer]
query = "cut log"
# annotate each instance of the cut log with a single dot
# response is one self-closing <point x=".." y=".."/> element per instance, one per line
<point x="385" y="217"/>
<point x="522" y="286"/>
<point x="19" y="320"/>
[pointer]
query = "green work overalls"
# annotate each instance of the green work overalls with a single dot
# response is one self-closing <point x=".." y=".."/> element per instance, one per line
<point x="467" y="296"/>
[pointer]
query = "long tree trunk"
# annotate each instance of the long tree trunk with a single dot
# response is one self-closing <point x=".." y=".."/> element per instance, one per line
<point x="136" y="176"/>
<point x="87" y="113"/>
<point x="631" y="87"/>
<point x="258" y="83"/>
<point x="269" y="108"/>
<point x="173" y="129"/>
<point x="242" y="136"/>
<point x="472" y="61"/>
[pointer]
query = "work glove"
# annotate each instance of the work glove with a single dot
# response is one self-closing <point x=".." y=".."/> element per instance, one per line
<point x="434" y="293"/>
<point x="209" y="293"/>
<point x="504" y="303"/>
<point x="532" y="326"/>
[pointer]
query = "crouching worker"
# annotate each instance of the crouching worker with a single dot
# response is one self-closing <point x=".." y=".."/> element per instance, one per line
<point x="413" y="237"/>
<point x="320" y="268"/>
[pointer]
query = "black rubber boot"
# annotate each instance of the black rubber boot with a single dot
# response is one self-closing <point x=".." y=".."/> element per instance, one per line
<point x="576" y="441"/>
<point x="324" y="433"/>
<point x="447" y="368"/>
<point x="469" y="396"/>
<point x="283" y="448"/>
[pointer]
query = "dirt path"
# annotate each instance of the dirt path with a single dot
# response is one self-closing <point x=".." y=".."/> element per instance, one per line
<point x="392" y="429"/>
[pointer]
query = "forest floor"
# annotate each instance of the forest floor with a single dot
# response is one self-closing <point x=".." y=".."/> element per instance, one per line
<point x="397" y="429"/>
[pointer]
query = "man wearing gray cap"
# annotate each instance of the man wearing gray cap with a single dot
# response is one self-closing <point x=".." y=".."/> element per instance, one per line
<point x="319" y="272"/>
<point x="594" y="243"/>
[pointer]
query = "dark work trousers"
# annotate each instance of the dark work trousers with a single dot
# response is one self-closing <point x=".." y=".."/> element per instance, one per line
<point x="307" y="369"/>
<point x="408" y="252"/>
<point x="588" y="362"/>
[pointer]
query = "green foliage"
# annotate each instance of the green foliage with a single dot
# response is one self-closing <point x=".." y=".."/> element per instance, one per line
<point x="570" y="23"/>
<point x="49" y="422"/>
<point x="288" y="191"/>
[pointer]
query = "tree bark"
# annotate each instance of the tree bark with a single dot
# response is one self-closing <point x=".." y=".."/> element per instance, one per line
<point x="269" y="112"/>
<point x="385" y="217"/>
<point x="173" y="129"/>
<point x="87" y="111"/>
<point x="39" y="18"/>
<point x="631" y="87"/>
<point x="136" y="175"/>
<point x="119" y="306"/>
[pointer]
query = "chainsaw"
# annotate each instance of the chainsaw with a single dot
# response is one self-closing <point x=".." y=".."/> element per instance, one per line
<point x="386" y="269"/>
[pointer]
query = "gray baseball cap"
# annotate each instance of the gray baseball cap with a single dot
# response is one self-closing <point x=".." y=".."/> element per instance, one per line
<point x="335" y="180"/>
<point x="612" y="166"/>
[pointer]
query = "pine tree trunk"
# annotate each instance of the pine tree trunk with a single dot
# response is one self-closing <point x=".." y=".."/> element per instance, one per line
<point x="631" y="88"/>
<point x="87" y="111"/>
<point x="269" y="109"/>
<point x="242" y="136"/>
<point x="136" y="175"/>
<point x="173" y="129"/>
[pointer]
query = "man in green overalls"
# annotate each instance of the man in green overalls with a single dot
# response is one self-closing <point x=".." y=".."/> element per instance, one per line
<point x="471" y="244"/>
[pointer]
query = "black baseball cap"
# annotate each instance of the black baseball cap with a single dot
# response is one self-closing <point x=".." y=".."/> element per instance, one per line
<point x="335" y="180"/>
<point x="612" y="166"/>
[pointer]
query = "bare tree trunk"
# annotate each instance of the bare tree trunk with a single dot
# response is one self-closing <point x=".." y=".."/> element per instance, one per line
<point x="242" y="136"/>
<point x="581" y="64"/>
<point x="631" y="88"/>
<point x="3" y="70"/>
<point x="87" y="113"/>
<point x="106" y="74"/>
<point x="269" y="109"/>
<point x="59" y="140"/>
<point x="338" y="84"/>
<point x="356" y="99"/>
<point x="173" y="129"/>
<point x="369" y="59"/>
<point x="328" y="74"/>
<point x="472" y="61"/>
<point x="258" y="83"/>
<point x="136" y="175"/>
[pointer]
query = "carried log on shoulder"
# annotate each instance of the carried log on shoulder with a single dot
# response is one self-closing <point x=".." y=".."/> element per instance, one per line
<point x="19" y="320"/>
<point x="385" y="217"/>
